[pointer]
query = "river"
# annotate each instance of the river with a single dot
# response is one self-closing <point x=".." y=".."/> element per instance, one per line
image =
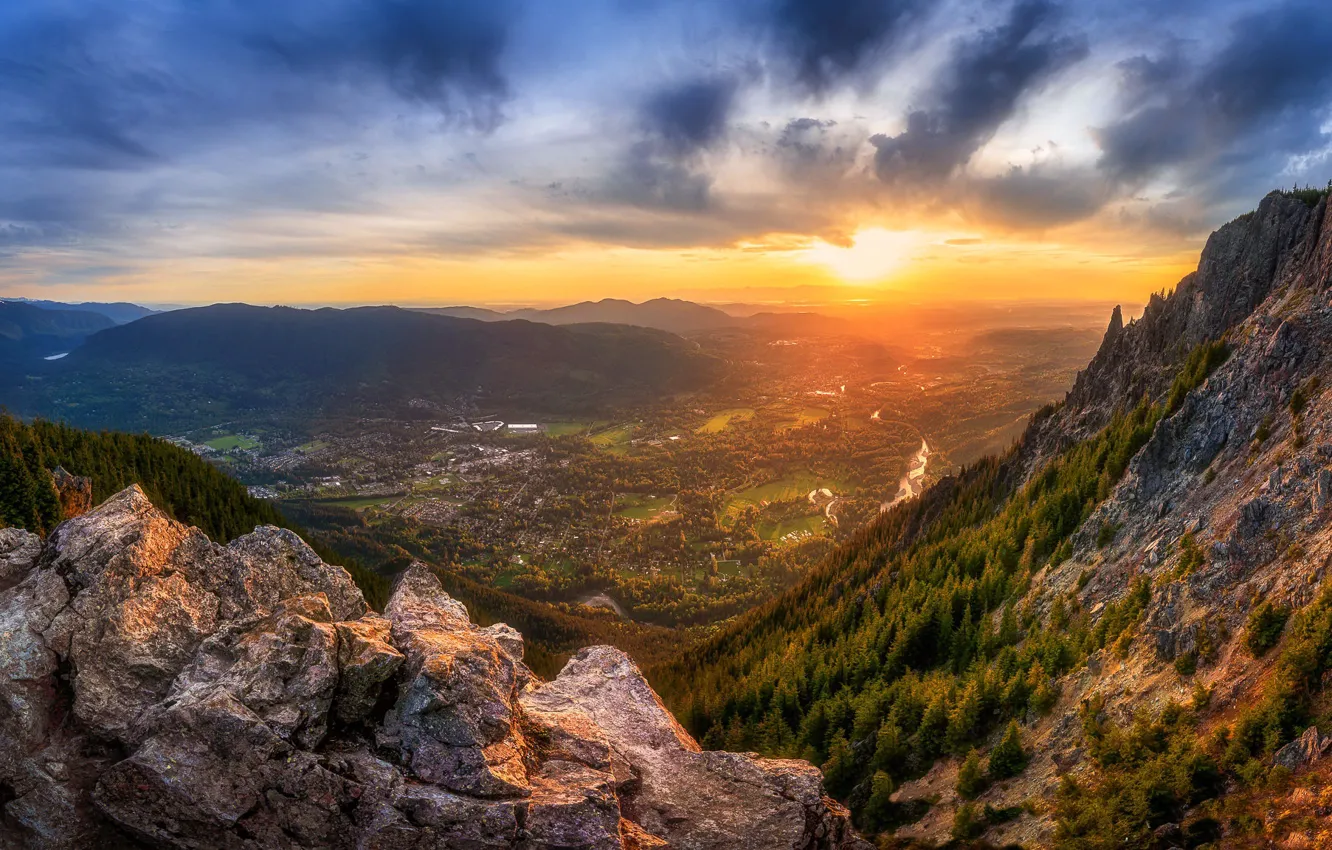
<point x="601" y="600"/>
<point x="914" y="480"/>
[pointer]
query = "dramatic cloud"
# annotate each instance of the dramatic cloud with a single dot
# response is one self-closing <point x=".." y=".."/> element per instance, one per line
<point x="1038" y="196"/>
<point x="115" y="85"/>
<point x="445" y="53"/>
<point x="1231" y="116"/>
<point x="138" y="134"/>
<point x="828" y="41"/>
<point x="978" y="92"/>
<point x="677" y="124"/>
<point x="692" y="116"/>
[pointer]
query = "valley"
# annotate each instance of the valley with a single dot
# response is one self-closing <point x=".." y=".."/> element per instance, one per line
<point x="685" y="510"/>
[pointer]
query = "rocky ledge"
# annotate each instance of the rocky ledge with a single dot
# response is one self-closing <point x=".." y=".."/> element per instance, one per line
<point x="160" y="690"/>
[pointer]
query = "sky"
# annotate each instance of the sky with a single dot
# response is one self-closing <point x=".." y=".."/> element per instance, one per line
<point x="547" y="151"/>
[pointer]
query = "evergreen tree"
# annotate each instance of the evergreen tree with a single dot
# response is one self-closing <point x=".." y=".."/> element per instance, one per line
<point x="970" y="777"/>
<point x="879" y="807"/>
<point x="1008" y="759"/>
<point x="839" y="772"/>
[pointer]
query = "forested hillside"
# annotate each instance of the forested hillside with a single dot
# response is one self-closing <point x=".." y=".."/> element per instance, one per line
<point x="909" y="644"/>
<point x="174" y="371"/>
<point x="186" y="487"/>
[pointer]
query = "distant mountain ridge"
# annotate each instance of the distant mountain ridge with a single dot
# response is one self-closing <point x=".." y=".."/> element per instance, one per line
<point x="28" y="333"/>
<point x="172" y="368"/>
<point x="667" y="314"/>
<point x="119" y="312"/>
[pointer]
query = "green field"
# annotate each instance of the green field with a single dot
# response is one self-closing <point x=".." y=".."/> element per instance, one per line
<point x="357" y="503"/>
<point x="812" y="524"/>
<point x="231" y="441"/>
<point x="784" y="489"/>
<point x="615" y="439"/>
<point x="437" y="484"/>
<point x="723" y="420"/>
<point x="568" y="429"/>
<point x="805" y="416"/>
<point x="634" y="506"/>
<point x="730" y="569"/>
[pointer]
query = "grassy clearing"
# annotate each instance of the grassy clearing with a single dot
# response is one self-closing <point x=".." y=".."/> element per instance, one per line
<point x="730" y="569"/>
<point x="638" y="507"/>
<point x="438" y="484"/>
<point x="811" y="524"/>
<point x="784" y="489"/>
<point x="568" y="429"/>
<point x="805" y="416"/>
<point x="723" y="420"/>
<point x="358" y="503"/>
<point x="312" y="447"/>
<point x="231" y="441"/>
<point x="615" y="439"/>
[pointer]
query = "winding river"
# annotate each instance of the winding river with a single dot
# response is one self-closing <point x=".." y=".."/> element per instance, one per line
<point x="914" y="480"/>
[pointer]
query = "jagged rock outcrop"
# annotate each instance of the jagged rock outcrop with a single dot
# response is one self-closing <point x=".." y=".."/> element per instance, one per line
<point x="74" y="491"/>
<point x="1283" y="242"/>
<point x="160" y="690"/>
<point x="1304" y="750"/>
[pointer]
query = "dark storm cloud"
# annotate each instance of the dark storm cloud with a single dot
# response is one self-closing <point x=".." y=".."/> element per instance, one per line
<point x="803" y="138"/>
<point x="1262" y="96"/>
<point x="689" y="117"/>
<point x="828" y="41"/>
<point x="93" y="93"/>
<point x="647" y="178"/>
<point x="678" y="123"/>
<point x="63" y="100"/>
<point x="445" y="53"/>
<point x="119" y="85"/>
<point x="1039" y="196"/>
<point x="977" y="92"/>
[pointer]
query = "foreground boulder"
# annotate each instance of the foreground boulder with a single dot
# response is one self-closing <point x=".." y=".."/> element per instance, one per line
<point x="160" y="690"/>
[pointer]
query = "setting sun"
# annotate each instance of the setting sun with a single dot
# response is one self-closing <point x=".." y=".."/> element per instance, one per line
<point x="873" y="254"/>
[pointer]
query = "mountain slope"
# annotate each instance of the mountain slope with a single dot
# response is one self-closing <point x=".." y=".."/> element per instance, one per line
<point x="187" y="366"/>
<point x="29" y="333"/>
<point x="1106" y="566"/>
<point x="119" y="312"/>
<point x="188" y="488"/>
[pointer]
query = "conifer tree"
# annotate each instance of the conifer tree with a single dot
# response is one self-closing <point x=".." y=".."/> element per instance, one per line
<point x="970" y="777"/>
<point x="1008" y="758"/>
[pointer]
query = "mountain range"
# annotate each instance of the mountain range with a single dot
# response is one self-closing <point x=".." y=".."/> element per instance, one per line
<point x="29" y="333"/>
<point x="119" y="312"/>
<point x="168" y="370"/>
<point x="667" y="314"/>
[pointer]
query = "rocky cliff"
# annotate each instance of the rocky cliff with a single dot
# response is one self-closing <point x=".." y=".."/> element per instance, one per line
<point x="1241" y="470"/>
<point x="1284" y="243"/>
<point x="160" y="690"/>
